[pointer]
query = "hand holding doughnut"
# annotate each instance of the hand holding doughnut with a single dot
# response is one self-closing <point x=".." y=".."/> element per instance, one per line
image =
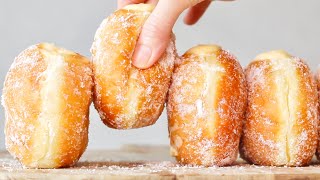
<point x="155" y="34"/>
<point x="127" y="97"/>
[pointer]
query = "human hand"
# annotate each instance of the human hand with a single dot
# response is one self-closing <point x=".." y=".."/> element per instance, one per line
<point x="156" y="32"/>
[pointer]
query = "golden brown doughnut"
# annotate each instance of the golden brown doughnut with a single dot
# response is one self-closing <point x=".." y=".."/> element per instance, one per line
<point x="206" y="106"/>
<point x="317" y="77"/>
<point x="281" y="124"/>
<point x="127" y="97"/>
<point x="46" y="97"/>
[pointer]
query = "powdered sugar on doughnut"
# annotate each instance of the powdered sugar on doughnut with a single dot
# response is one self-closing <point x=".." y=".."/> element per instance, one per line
<point x="203" y="114"/>
<point x="127" y="97"/>
<point x="317" y="77"/>
<point x="46" y="98"/>
<point x="16" y="112"/>
<point x="284" y="135"/>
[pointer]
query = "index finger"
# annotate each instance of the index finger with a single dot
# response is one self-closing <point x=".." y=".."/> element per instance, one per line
<point x="122" y="3"/>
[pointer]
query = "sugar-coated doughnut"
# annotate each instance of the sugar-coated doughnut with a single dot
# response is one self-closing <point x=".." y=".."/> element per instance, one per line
<point x="281" y="123"/>
<point x="206" y="107"/>
<point x="317" y="77"/>
<point x="46" y="98"/>
<point x="127" y="97"/>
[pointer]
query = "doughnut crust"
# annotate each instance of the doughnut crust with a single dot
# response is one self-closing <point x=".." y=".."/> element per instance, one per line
<point x="317" y="77"/>
<point x="281" y="123"/>
<point x="46" y="98"/>
<point x="127" y="97"/>
<point x="206" y="106"/>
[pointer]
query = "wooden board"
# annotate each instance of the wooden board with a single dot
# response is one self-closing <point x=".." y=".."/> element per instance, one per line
<point x="149" y="162"/>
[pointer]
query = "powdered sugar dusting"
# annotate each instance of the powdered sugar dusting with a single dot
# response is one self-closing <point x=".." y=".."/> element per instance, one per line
<point x="282" y="113"/>
<point x="17" y="129"/>
<point x="36" y="116"/>
<point x="146" y="163"/>
<point x="206" y="106"/>
<point x="127" y="97"/>
<point x="317" y="78"/>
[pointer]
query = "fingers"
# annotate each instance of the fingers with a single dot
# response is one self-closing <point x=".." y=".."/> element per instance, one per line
<point x="154" y="2"/>
<point x="156" y="33"/>
<point x="122" y="3"/>
<point x="196" y="12"/>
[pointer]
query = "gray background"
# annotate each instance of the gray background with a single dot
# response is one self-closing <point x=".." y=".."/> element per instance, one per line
<point x="245" y="27"/>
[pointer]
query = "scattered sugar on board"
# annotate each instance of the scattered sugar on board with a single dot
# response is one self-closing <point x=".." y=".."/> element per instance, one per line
<point x="121" y="166"/>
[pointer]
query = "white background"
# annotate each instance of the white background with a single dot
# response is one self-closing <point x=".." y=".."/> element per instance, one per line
<point x="245" y="27"/>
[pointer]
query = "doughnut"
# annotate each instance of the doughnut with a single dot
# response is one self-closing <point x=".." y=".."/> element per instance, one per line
<point x="127" y="97"/>
<point x="317" y="77"/>
<point x="281" y="121"/>
<point x="46" y="98"/>
<point x="206" y="107"/>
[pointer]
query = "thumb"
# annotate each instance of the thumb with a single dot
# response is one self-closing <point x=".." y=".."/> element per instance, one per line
<point x="156" y="32"/>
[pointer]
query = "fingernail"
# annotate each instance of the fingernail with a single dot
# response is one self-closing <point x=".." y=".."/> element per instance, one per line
<point x="142" y="55"/>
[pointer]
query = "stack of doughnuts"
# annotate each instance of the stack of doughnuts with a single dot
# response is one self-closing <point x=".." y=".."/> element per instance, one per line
<point x="46" y="98"/>
<point x="282" y="120"/>
<point x="211" y="101"/>
<point x="206" y="106"/>
<point x="127" y="97"/>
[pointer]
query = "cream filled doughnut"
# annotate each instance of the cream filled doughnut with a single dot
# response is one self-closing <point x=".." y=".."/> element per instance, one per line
<point x="281" y="123"/>
<point x="206" y="106"/>
<point x="46" y="98"/>
<point x="127" y="97"/>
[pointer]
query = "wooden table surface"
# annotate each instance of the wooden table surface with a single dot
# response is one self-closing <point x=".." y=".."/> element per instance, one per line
<point x="149" y="162"/>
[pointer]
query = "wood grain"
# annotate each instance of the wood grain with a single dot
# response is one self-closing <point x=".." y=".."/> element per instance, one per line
<point x="149" y="162"/>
